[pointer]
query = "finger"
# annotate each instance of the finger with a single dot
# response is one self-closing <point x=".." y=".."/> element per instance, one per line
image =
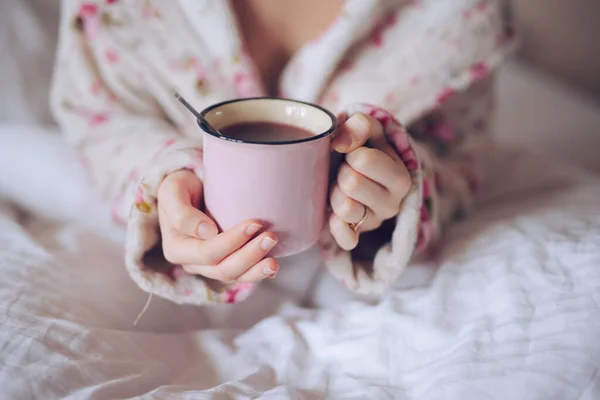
<point x="359" y="129"/>
<point x="379" y="167"/>
<point x="266" y="268"/>
<point x="176" y="202"/>
<point x="367" y="192"/>
<point x="348" y="209"/>
<point x="188" y="250"/>
<point x="261" y="270"/>
<point x="378" y="140"/>
<point x="355" y="132"/>
<point x="345" y="237"/>
<point x="241" y="260"/>
<point x="370" y="223"/>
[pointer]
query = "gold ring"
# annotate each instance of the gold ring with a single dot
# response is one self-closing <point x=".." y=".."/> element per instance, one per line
<point x="355" y="225"/>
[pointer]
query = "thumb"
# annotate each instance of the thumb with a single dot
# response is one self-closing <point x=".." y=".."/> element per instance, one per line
<point x="193" y="222"/>
<point x="352" y="134"/>
<point x="176" y="199"/>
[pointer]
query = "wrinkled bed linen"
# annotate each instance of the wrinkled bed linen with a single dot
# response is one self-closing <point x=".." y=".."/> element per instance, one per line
<point x="508" y="309"/>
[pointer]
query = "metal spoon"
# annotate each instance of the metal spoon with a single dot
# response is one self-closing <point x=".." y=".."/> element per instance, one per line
<point x="203" y="121"/>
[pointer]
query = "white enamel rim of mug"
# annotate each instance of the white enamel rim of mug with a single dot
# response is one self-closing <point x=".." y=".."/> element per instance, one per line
<point x="308" y="116"/>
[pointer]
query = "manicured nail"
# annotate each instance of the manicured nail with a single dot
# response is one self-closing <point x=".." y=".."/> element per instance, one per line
<point x="252" y="229"/>
<point x="269" y="272"/>
<point x="343" y="142"/>
<point x="267" y="243"/>
<point x="206" y="230"/>
<point x="358" y="122"/>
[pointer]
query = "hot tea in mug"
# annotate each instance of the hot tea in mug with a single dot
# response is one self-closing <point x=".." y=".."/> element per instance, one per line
<point x="253" y="132"/>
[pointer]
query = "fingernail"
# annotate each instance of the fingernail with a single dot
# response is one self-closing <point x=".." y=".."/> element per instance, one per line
<point x="206" y="231"/>
<point x="342" y="142"/>
<point x="252" y="229"/>
<point x="269" y="272"/>
<point x="267" y="243"/>
<point x="272" y="276"/>
<point x="358" y="122"/>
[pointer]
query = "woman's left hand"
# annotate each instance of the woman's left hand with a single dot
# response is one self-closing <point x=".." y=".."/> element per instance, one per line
<point x="372" y="180"/>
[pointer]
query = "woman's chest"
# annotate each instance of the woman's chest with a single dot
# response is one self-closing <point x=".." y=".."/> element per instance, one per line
<point x="275" y="30"/>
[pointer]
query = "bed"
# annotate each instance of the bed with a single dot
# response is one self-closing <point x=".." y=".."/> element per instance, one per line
<point x="508" y="309"/>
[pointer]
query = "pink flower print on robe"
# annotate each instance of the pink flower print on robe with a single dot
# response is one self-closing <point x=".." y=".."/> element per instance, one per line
<point x="445" y="95"/>
<point x="88" y="20"/>
<point x="377" y="35"/>
<point x="238" y="292"/>
<point x="246" y="85"/>
<point x="88" y="10"/>
<point x="444" y="132"/>
<point x="479" y="71"/>
<point x="149" y="11"/>
<point x="98" y="119"/>
<point x="96" y="87"/>
<point x="111" y="56"/>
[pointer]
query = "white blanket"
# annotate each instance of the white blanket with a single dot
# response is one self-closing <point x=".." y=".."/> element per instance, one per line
<point x="508" y="310"/>
<point x="511" y="313"/>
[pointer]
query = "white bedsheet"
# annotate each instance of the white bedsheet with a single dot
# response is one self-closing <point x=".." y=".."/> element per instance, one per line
<point x="511" y="313"/>
<point x="510" y="309"/>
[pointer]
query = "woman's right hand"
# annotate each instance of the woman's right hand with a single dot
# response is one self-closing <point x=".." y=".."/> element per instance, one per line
<point x="190" y="238"/>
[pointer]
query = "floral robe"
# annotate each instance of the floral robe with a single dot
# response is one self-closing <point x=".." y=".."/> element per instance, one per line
<point x="423" y="64"/>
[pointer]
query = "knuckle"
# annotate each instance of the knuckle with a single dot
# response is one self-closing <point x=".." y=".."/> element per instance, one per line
<point x="245" y="278"/>
<point x="349" y="181"/>
<point x="362" y="157"/>
<point x="345" y="208"/>
<point x="179" y="219"/>
<point x="342" y="205"/>
<point x="210" y="258"/>
<point x="224" y="278"/>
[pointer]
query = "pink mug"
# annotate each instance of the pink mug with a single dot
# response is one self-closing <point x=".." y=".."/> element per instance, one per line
<point x="284" y="184"/>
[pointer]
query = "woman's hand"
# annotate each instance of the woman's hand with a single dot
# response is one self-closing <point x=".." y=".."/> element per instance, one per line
<point x="372" y="180"/>
<point x="190" y="238"/>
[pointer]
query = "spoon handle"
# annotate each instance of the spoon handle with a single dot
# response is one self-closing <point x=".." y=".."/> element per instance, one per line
<point x="189" y="107"/>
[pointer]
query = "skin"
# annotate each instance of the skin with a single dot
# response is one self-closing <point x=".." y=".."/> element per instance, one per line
<point x="371" y="178"/>
<point x="274" y="30"/>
